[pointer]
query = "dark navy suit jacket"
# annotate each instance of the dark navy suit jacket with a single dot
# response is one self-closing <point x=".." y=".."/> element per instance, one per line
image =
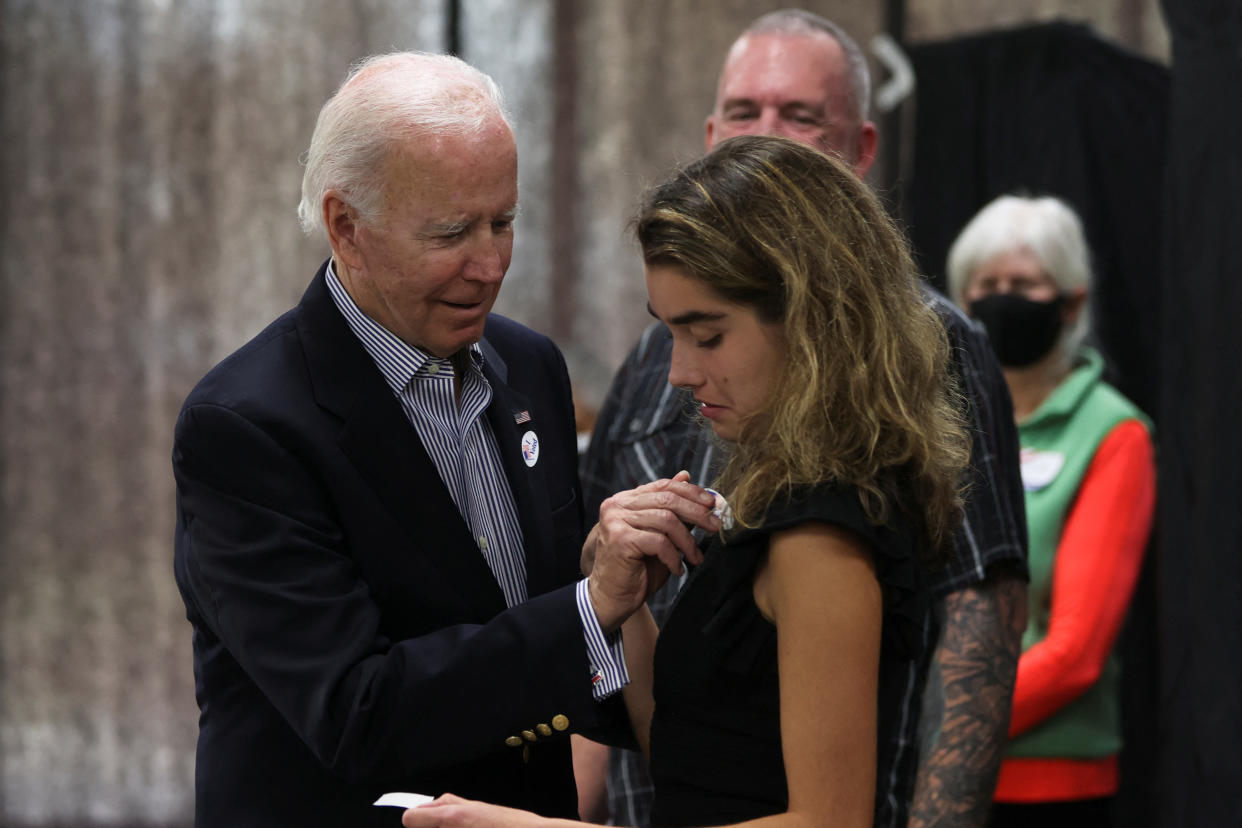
<point x="349" y="638"/>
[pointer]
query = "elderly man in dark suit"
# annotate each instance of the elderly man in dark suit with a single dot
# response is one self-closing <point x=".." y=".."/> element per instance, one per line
<point x="379" y="521"/>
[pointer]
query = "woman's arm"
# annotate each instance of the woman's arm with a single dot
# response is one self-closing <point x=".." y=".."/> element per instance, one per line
<point x="1097" y="564"/>
<point x="639" y="633"/>
<point x="591" y="776"/>
<point x="819" y="587"/>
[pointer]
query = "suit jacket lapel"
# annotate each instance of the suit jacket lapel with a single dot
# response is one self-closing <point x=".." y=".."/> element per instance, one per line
<point x="530" y="493"/>
<point x="387" y="452"/>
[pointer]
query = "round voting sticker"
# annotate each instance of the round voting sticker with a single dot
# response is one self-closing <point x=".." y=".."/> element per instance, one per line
<point x="530" y="448"/>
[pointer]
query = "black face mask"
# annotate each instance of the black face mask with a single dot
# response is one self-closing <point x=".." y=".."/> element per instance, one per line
<point x="1022" y="332"/>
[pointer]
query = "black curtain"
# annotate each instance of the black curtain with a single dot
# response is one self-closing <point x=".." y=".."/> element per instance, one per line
<point x="1054" y="109"/>
<point x="1200" y="584"/>
<point x="1050" y="109"/>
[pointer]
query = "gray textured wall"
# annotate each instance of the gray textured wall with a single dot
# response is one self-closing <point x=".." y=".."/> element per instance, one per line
<point x="1135" y="23"/>
<point x="149" y="175"/>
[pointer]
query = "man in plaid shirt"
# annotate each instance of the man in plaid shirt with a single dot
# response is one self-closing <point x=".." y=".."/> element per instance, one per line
<point x="795" y="74"/>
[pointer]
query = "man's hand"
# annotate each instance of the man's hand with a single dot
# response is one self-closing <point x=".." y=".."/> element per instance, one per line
<point x="641" y="537"/>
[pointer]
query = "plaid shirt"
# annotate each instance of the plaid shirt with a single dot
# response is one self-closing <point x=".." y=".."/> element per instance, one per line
<point x="646" y="430"/>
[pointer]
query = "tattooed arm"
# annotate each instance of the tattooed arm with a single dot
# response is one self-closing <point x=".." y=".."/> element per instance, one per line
<point x="966" y="704"/>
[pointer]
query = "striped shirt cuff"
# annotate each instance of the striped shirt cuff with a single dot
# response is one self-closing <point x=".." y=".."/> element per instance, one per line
<point x="605" y="653"/>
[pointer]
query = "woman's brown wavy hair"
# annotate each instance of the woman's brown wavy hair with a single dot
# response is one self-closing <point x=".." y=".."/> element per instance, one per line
<point x="864" y="398"/>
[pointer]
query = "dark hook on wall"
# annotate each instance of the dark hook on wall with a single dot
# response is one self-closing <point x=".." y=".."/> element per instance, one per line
<point x="895" y="20"/>
<point x="452" y="27"/>
<point x="896" y="130"/>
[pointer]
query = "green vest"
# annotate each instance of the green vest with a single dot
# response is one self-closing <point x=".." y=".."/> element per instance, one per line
<point x="1059" y="442"/>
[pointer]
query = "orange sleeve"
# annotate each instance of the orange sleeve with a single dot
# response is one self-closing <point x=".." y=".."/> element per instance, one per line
<point x="1097" y="564"/>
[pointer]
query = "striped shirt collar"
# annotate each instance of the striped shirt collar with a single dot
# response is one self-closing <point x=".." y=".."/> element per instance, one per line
<point x="398" y="361"/>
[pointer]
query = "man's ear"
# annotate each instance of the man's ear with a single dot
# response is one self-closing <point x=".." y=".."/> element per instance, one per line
<point x="868" y="143"/>
<point x="341" y="221"/>
<point x="709" y="131"/>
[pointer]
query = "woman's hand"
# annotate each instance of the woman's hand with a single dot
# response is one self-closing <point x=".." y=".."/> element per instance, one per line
<point x="452" y="811"/>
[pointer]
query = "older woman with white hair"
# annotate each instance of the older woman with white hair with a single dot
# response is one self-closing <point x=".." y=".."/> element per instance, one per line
<point x="1022" y="268"/>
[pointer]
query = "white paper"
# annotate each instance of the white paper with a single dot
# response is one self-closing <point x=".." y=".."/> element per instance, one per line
<point x="403" y="800"/>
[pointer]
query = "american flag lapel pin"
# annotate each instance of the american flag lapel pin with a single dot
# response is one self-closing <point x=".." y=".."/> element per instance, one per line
<point x="521" y="416"/>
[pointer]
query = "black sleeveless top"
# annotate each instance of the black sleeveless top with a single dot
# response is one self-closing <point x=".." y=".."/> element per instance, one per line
<point x="715" y="735"/>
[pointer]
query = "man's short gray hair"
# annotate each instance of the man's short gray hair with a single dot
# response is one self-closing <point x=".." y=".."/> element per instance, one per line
<point x="386" y="98"/>
<point x="801" y="22"/>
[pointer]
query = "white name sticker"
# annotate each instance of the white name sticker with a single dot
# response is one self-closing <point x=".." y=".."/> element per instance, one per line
<point x="1039" y="468"/>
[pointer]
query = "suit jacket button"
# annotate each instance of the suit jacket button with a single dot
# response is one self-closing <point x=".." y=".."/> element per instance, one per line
<point x="513" y="741"/>
<point x="560" y="722"/>
<point x="543" y="730"/>
<point x="529" y="735"/>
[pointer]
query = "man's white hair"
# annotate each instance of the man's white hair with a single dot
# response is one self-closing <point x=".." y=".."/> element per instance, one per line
<point x="384" y="99"/>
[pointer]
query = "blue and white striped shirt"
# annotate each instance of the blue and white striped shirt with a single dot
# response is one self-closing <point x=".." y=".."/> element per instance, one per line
<point x="462" y="445"/>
